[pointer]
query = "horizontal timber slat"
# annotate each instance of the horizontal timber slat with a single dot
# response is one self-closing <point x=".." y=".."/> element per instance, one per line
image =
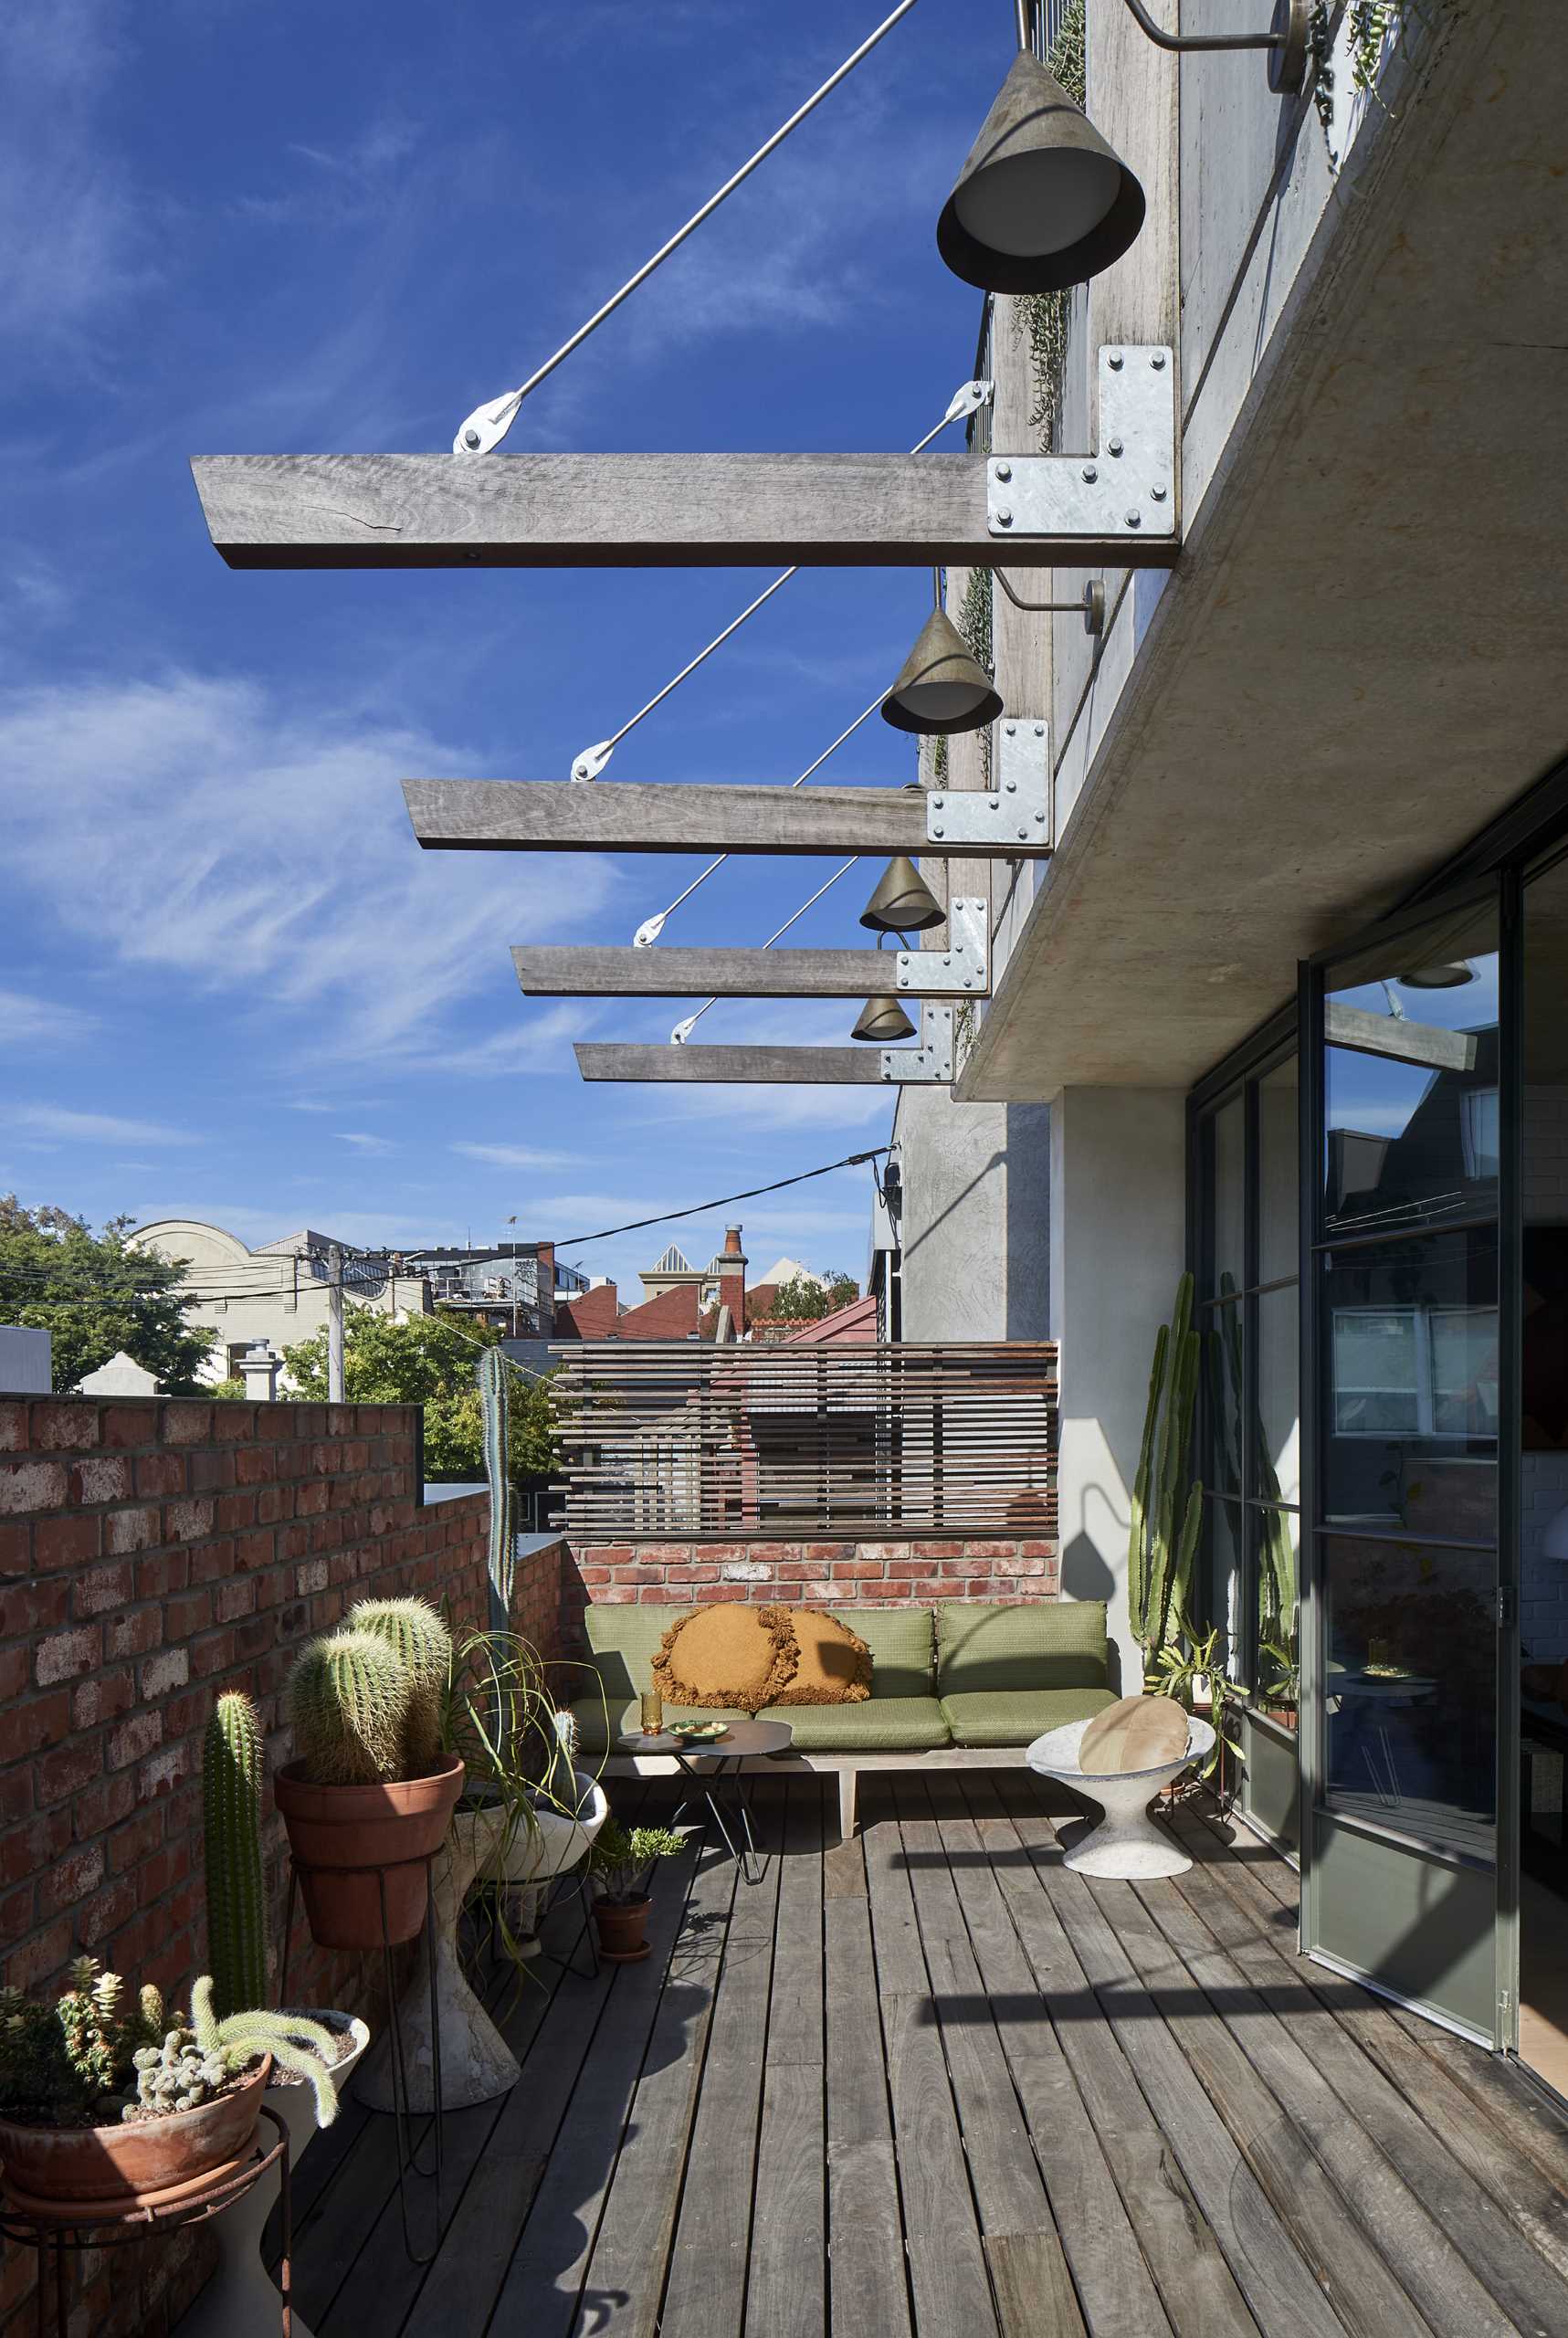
<point x="639" y="816"/>
<point x="612" y="970"/>
<point x="679" y="1439"/>
<point x="732" y="1067"/>
<point x="622" y="511"/>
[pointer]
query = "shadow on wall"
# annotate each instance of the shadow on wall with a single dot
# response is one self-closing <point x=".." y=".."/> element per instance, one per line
<point x="1087" y="1576"/>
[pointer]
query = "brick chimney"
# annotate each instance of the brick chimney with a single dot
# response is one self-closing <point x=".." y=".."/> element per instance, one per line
<point x="732" y="1279"/>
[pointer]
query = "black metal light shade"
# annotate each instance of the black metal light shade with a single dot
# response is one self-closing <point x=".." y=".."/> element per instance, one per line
<point x="941" y="689"/>
<point x="884" y="1020"/>
<point x="1450" y="975"/>
<point x="1043" y="201"/>
<point x="903" y="902"/>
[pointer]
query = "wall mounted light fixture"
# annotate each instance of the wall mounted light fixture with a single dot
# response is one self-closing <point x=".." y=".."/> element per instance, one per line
<point x="941" y="688"/>
<point x="1287" y="43"/>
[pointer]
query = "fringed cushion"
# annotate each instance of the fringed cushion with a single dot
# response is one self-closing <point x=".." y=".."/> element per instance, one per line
<point x="834" y="1665"/>
<point x="728" y="1654"/>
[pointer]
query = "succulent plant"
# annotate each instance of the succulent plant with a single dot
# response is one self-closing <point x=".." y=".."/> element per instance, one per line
<point x="175" y="2076"/>
<point x="347" y="1698"/>
<point x="231" y="1802"/>
<point x="621" y="1860"/>
<point x="199" y="2061"/>
<point x="56" y="2063"/>
<point x="419" y="1636"/>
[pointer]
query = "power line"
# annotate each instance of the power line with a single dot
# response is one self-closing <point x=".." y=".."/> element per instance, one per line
<point x="696" y="1209"/>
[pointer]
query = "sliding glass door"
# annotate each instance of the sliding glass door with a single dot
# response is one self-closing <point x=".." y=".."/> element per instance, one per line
<point x="1403" y="1280"/>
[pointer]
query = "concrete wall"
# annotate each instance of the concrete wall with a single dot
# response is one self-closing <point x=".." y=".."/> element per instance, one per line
<point x="25" y="1360"/>
<point x="977" y="1218"/>
<point x="1118" y="1245"/>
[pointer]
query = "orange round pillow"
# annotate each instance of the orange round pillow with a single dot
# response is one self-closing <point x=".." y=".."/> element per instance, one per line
<point x="834" y="1665"/>
<point x="728" y="1654"/>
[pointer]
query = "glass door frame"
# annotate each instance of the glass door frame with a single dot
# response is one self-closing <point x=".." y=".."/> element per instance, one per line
<point x="1501" y="888"/>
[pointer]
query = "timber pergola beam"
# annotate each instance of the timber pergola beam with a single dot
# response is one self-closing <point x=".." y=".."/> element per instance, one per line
<point x="582" y="970"/>
<point x="734" y="1066"/>
<point x="660" y="510"/>
<point x="613" y="815"/>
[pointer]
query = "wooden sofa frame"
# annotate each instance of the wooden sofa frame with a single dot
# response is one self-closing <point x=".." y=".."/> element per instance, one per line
<point x="848" y="1767"/>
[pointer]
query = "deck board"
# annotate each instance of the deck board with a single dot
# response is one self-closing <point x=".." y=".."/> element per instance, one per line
<point x="931" y="2081"/>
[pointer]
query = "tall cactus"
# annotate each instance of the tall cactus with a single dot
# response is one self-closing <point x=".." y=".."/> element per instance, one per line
<point x="348" y="1698"/>
<point x="1167" y="1512"/>
<point x="495" y="1401"/>
<point x="419" y="1636"/>
<point x="231" y="1808"/>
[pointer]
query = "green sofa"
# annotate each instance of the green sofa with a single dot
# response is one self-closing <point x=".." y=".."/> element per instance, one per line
<point x="957" y="1683"/>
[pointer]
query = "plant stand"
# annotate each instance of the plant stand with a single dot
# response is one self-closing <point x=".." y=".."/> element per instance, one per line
<point x="477" y="2064"/>
<point x="407" y="2159"/>
<point x="1125" y="1843"/>
<point x="78" y="2230"/>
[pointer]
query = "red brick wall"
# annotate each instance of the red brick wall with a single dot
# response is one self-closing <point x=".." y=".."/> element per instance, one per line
<point x="880" y="1574"/>
<point x="151" y="1554"/>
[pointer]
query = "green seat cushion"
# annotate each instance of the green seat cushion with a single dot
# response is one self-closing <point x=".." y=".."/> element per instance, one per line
<point x="876" y="1725"/>
<point x="1017" y="1716"/>
<point x="625" y="1716"/>
<point x="903" y="1655"/>
<point x="623" y="1641"/>
<point x="1043" y="1644"/>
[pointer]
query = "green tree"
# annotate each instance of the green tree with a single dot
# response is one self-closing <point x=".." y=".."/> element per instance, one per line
<point x="429" y="1360"/>
<point x="95" y="1295"/>
<point x="803" y="1300"/>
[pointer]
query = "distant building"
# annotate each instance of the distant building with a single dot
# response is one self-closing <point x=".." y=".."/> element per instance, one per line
<point x="276" y="1295"/>
<point x="511" y="1286"/>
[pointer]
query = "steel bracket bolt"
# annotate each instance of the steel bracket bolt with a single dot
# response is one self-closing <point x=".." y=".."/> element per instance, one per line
<point x="1004" y="470"/>
<point x="939" y="832"/>
<point x="1158" y="361"/>
<point x="1115" y="447"/>
<point x="1134" y="519"/>
<point x="1159" y="493"/>
<point x="937" y="801"/>
<point x="471" y="438"/>
<point x="1114" y="361"/>
<point x="1090" y="474"/>
<point x="1004" y="516"/>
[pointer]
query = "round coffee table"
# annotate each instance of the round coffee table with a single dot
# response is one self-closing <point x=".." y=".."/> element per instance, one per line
<point x="743" y="1741"/>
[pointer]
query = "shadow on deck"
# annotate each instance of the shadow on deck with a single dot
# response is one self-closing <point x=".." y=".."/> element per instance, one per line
<point x="929" y="2084"/>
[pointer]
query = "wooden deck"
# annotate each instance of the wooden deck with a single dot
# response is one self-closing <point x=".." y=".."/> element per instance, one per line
<point x="932" y="2085"/>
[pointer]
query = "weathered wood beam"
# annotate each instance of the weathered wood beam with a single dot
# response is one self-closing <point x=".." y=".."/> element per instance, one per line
<point x="1425" y="1045"/>
<point x="590" y="969"/>
<point x="624" y="511"/>
<point x="732" y="1066"/>
<point x="614" y="815"/>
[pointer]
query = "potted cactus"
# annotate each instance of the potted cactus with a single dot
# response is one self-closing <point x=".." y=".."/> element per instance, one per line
<point x="107" y="2103"/>
<point x="372" y="1790"/>
<point x="621" y="1863"/>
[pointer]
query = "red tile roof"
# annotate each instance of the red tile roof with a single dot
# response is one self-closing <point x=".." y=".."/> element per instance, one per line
<point x="856" y="1322"/>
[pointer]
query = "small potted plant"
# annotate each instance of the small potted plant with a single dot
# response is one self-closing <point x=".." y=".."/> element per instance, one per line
<point x="621" y="1863"/>
<point x="108" y="2104"/>
<point x="372" y="1789"/>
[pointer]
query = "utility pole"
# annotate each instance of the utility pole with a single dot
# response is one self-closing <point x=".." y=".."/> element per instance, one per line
<point x="335" y="1324"/>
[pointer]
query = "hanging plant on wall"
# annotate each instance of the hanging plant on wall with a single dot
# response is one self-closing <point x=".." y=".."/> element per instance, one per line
<point x="1367" y="26"/>
<point x="1041" y="318"/>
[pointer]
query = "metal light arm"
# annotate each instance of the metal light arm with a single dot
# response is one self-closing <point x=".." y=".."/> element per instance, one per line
<point x="1287" y="43"/>
<point x="488" y="424"/>
<point x="1090" y="606"/>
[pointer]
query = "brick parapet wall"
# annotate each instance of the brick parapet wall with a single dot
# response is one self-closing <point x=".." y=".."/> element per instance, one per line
<point x="153" y="1552"/>
<point x="879" y="1574"/>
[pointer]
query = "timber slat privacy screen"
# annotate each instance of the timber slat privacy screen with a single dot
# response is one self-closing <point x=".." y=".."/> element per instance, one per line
<point x="679" y="1439"/>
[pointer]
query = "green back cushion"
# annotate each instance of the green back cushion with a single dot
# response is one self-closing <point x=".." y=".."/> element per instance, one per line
<point x="623" y="1641"/>
<point x="1044" y="1644"/>
<point x="900" y="1639"/>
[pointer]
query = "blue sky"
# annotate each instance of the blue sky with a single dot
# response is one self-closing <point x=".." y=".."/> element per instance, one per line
<point x="231" y="986"/>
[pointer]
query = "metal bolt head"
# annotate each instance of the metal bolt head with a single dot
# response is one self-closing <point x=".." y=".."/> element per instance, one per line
<point x="1039" y="730"/>
<point x="947" y="961"/>
<point x="1012" y="787"/>
<point x="471" y="438"/>
<point x="1134" y="519"/>
<point x="1115" y="447"/>
<point x="1040" y="817"/>
<point x="1004" y="516"/>
<point x="1023" y="832"/>
<point x="940" y="832"/>
<point x="1157" y="361"/>
<point x="938" y="801"/>
<point x="1158" y="492"/>
<point x="1012" y="730"/>
<point x="1090" y="474"/>
<point x="1004" y="470"/>
<point x="1114" y="361"/>
<point x="903" y="982"/>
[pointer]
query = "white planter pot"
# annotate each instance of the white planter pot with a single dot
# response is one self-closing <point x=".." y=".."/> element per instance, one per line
<point x="477" y="2064"/>
<point x="241" y="2299"/>
<point x="555" y="1842"/>
<point x="1126" y="1844"/>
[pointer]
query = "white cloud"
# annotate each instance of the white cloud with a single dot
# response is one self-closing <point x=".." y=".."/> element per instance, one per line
<point x="363" y="1143"/>
<point x="27" y="1021"/>
<point x="516" y="1156"/>
<point x="53" y="1121"/>
<point x="195" y="827"/>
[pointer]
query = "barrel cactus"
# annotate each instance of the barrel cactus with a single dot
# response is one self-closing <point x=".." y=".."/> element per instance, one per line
<point x="347" y="1698"/>
<point x="415" y="1629"/>
<point x="231" y="1805"/>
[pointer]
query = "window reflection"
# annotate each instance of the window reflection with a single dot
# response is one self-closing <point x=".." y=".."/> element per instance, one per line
<point x="1278" y="1175"/>
<point x="1411" y="1688"/>
<point x="1276" y="1539"/>
<point x="1411" y="1078"/>
<point x="1226" y="1248"/>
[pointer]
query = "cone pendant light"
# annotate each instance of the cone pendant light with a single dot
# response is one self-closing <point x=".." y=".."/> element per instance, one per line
<point x="884" y="1020"/>
<point x="941" y="688"/>
<point x="903" y="902"/>
<point x="1043" y="201"/>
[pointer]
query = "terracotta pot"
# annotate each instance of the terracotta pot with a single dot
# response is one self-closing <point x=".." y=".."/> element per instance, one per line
<point x="147" y="2163"/>
<point x="621" y="1925"/>
<point x="334" y="1829"/>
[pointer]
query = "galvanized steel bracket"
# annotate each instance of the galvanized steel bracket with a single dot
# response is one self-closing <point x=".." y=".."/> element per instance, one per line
<point x="1020" y="807"/>
<point x="931" y="1064"/>
<point x="961" y="966"/>
<point x="1123" y="494"/>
